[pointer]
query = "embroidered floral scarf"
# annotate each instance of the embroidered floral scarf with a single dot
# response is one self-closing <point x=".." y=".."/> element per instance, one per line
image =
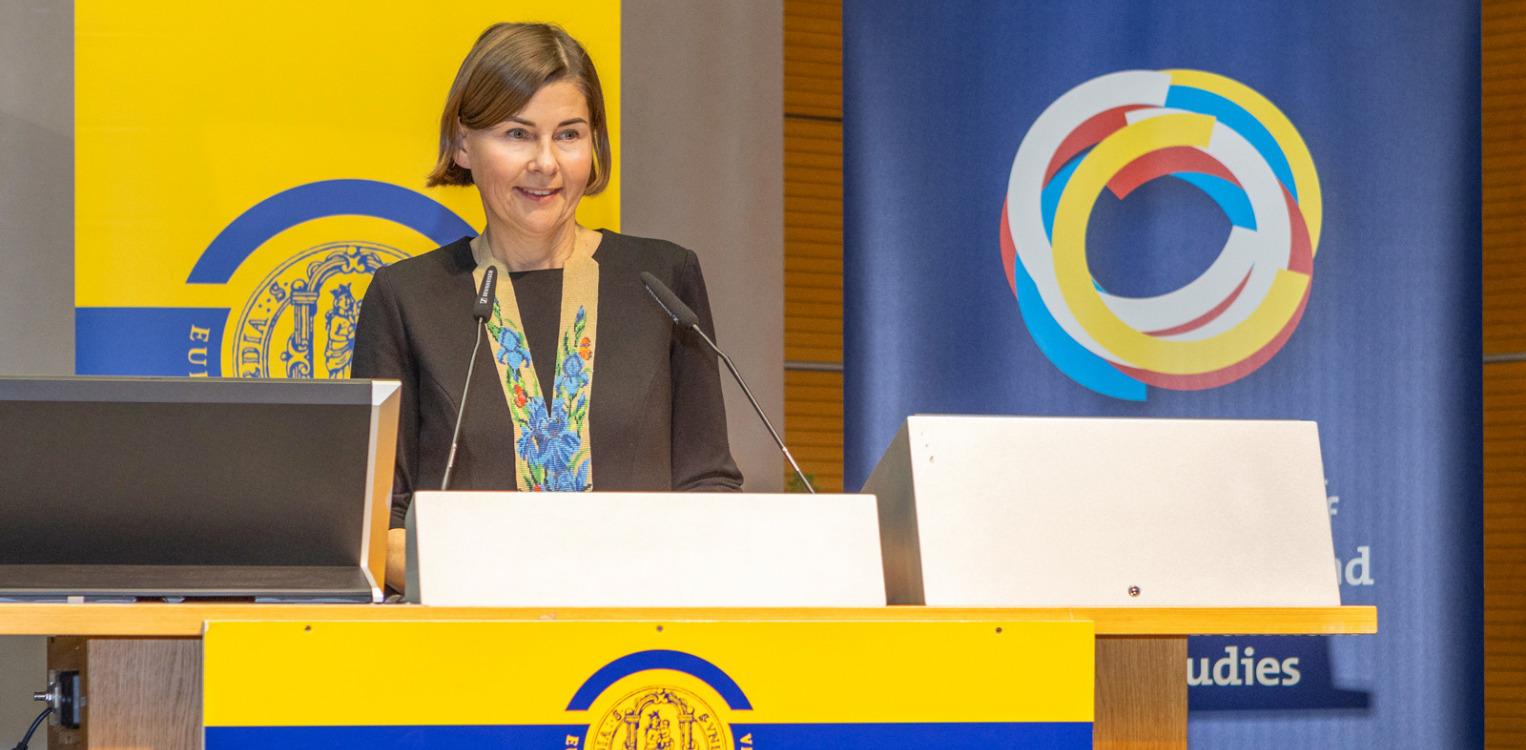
<point x="551" y="446"/>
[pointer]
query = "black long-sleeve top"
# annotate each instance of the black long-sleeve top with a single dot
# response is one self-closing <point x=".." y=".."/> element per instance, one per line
<point x="657" y="421"/>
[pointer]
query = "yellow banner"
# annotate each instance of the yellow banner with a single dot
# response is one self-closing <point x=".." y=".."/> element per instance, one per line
<point x="605" y="684"/>
<point x="242" y="167"/>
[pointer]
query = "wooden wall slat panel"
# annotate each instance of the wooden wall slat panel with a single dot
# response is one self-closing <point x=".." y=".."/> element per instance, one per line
<point x="804" y="12"/>
<point x="808" y="85"/>
<point x="813" y="189"/>
<point x="812" y="220"/>
<point x="797" y="154"/>
<point x="1504" y="320"/>
<point x="809" y="264"/>
<point x="813" y="235"/>
<point x="826" y="132"/>
<point x="808" y="326"/>
<point x="1504" y="175"/>
<point x="803" y="308"/>
<point x="819" y="296"/>
<point x="796" y="55"/>
<point x="818" y="205"/>
<point x="814" y="104"/>
<point x="814" y="279"/>
<point x="807" y="354"/>
<point x="823" y="19"/>
<point x="813" y="137"/>
<point x="813" y="417"/>
<point x="817" y="75"/>
<point x="816" y="34"/>
<point x="1505" y="553"/>
<point x="803" y="176"/>
<point x="812" y="60"/>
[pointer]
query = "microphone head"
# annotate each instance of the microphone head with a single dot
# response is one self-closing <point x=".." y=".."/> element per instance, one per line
<point x="483" y="308"/>
<point x="670" y="303"/>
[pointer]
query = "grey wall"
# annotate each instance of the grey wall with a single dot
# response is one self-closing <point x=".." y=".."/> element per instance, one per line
<point x="703" y="166"/>
<point x="36" y="188"/>
<point x="36" y="251"/>
<point x="37" y="263"/>
<point x="703" y="155"/>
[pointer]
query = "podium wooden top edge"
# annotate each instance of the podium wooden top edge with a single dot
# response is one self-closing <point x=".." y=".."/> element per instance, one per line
<point x="187" y="620"/>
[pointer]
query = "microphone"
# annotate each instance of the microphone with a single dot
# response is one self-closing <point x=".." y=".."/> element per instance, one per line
<point x="683" y="317"/>
<point x="482" y="309"/>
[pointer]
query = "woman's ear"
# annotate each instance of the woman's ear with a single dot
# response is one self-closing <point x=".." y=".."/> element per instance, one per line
<point x="458" y="152"/>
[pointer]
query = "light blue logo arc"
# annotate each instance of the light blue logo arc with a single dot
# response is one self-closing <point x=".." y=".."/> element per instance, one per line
<point x="189" y="341"/>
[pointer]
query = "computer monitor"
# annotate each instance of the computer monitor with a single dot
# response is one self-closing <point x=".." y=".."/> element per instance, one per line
<point x="195" y="487"/>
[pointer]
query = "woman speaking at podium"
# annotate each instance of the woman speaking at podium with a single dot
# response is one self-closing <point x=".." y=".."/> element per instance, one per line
<point x="584" y="382"/>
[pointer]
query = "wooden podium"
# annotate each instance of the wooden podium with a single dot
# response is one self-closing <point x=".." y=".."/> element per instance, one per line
<point x="141" y="663"/>
<point x="1133" y="527"/>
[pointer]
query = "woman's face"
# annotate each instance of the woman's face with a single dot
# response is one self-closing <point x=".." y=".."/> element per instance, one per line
<point x="532" y="168"/>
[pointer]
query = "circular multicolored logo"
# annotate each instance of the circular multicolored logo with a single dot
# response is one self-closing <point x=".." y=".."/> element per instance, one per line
<point x="1118" y="132"/>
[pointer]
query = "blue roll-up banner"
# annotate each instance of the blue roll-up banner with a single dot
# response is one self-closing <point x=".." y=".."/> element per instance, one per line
<point x="1193" y="209"/>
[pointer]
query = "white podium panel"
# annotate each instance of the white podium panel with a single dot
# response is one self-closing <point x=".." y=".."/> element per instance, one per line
<point x="1054" y="512"/>
<point x="627" y="549"/>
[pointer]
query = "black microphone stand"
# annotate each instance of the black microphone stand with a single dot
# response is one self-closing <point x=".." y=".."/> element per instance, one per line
<point x="455" y="437"/>
<point x="685" y="319"/>
<point x="755" y="407"/>
<point x="481" y="311"/>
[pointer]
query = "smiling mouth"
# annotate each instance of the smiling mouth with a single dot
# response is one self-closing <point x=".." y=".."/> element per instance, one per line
<point x="538" y="195"/>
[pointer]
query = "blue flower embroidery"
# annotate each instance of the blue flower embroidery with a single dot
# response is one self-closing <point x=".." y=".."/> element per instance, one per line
<point x="550" y="440"/>
<point x="572" y="368"/>
<point x="511" y="348"/>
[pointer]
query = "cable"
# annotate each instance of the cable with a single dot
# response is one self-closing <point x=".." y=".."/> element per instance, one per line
<point x="37" y="722"/>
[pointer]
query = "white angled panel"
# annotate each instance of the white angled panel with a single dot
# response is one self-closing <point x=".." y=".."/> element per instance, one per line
<point x="613" y="549"/>
<point x="1045" y="512"/>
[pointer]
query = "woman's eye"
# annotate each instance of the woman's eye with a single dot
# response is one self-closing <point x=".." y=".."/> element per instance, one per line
<point x="518" y="134"/>
<point x="569" y="135"/>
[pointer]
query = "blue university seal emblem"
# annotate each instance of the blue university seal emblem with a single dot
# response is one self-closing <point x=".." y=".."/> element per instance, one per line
<point x="660" y="718"/>
<point x="660" y="700"/>
<point x="235" y="317"/>
<point x="300" y="321"/>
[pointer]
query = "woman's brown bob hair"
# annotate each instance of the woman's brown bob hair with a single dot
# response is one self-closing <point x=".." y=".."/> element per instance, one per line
<point x="507" y="65"/>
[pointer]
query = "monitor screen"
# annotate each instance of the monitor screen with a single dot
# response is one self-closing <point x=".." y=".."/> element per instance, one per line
<point x="177" y="471"/>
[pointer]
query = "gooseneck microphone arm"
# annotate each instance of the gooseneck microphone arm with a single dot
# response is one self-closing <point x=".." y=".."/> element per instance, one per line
<point x="748" y="392"/>
<point x="481" y="311"/>
<point x="685" y="318"/>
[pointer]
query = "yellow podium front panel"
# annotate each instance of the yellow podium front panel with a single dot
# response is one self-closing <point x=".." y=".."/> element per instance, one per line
<point x="648" y="685"/>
